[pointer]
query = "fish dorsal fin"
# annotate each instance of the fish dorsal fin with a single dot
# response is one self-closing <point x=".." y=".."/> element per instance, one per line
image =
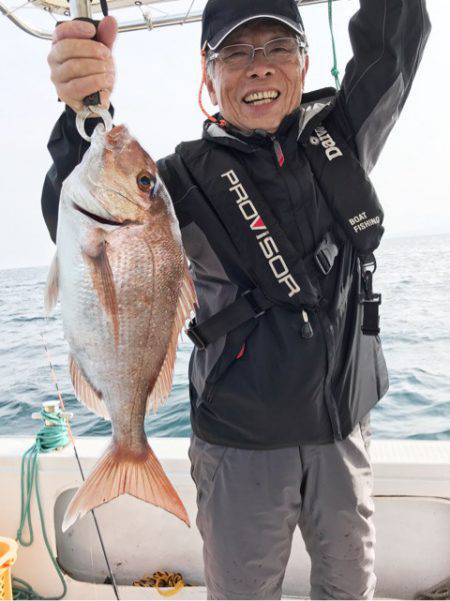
<point x="52" y="286"/>
<point x="85" y="393"/>
<point x="186" y="304"/>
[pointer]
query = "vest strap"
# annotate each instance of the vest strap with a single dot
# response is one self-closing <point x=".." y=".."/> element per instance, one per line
<point x="253" y="303"/>
<point x="267" y="255"/>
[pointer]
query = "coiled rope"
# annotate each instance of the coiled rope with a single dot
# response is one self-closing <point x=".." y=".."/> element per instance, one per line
<point x="53" y="435"/>
<point x="163" y="579"/>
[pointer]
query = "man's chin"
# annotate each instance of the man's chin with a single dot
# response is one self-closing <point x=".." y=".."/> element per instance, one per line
<point x="249" y="125"/>
<point x="266" y="117"/>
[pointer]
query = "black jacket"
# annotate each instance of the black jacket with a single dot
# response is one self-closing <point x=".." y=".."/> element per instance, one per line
<point x="263" y="385"/>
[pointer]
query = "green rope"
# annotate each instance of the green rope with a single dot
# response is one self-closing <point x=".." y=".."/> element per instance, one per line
<point x="48" y="439"/>
<point x="335" y="69"/>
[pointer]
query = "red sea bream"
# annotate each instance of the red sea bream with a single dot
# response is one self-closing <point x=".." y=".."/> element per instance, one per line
<point x="125" y="291"/>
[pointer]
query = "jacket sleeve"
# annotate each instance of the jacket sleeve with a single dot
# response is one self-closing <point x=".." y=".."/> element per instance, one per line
<point x="66" y="148"/>
<point x="388" y="38"/>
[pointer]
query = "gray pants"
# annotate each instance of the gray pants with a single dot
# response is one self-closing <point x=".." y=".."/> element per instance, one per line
<point x="249" y="503"/>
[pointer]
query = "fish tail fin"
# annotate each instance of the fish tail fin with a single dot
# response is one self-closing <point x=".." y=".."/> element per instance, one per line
<point x="118" y="472"/>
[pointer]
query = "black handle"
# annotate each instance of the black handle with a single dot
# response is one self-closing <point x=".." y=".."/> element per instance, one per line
<point x="94" y="98"/>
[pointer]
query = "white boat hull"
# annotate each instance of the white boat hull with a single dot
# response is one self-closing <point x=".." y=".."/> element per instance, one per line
<point x="412" y="518"/>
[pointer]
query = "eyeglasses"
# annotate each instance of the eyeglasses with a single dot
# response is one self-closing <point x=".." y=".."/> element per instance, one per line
<point x="276" y="51"/>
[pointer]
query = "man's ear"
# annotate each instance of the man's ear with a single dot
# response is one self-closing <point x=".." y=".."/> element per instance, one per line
<point x="211" y="90"/>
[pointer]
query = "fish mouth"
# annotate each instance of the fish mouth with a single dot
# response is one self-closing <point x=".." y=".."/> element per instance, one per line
<point x="99" y="219"/>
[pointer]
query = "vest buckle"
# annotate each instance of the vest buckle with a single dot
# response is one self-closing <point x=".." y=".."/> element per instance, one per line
<point x="325" y="254"/>
<point x="250" y="298"/>
<point x="193" y="333"/>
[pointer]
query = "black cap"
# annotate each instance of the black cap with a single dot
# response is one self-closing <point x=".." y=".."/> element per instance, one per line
<point x="221" y="17"/>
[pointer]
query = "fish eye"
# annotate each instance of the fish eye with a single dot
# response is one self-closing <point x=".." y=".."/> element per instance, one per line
<point x="146" y="181"/>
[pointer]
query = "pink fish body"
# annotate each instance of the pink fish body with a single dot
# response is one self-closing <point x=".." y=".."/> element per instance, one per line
<point x="125" y="290"/>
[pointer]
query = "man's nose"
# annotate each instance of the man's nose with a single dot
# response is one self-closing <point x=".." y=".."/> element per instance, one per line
<point x="261" y="66"/>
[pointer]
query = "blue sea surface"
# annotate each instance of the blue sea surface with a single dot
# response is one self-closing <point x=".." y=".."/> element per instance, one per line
<point x="413" y="277"/>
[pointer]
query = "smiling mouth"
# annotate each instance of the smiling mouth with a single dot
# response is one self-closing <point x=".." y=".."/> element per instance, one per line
<point x="258" y="98"/>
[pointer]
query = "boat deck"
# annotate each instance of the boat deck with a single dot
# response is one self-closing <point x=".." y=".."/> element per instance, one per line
<point x="412" y="517"/>
<point x="78" y="590"/>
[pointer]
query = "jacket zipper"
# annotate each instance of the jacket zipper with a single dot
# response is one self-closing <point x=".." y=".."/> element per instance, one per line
<point x="306" y="329"/>
<point x="278" y="151"/>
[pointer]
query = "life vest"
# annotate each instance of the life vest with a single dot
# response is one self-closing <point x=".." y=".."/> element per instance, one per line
<point x="279" y="274"/>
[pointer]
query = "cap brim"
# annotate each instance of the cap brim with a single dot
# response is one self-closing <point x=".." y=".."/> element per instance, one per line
<point x="223" y="33"/>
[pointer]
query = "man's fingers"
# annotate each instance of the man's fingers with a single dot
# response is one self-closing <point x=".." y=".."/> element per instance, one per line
<point x="84" y="86"/>
<point x="73" y="49"/>
<point x="107" y="31"/>
<point x="73" y="29"/>
<point x="80" y="67"/>
<point x="104" y="98"/>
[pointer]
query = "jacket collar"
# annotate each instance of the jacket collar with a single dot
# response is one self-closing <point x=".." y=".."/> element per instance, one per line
<point x="314" y="107"/>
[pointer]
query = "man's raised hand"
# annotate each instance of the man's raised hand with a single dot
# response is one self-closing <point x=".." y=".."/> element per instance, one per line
<point x="81" y="66"/>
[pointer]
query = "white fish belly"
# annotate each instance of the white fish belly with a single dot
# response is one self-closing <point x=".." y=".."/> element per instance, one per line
<point x="147" y="279"/>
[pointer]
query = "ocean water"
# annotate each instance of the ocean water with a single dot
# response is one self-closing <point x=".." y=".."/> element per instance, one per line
<point x="413" y="277"/>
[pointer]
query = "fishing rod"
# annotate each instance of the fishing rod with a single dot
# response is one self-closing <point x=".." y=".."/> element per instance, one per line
<point x="72" y="440"/>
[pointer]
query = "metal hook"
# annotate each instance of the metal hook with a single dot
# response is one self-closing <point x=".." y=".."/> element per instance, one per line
<point x="84" y="114"/>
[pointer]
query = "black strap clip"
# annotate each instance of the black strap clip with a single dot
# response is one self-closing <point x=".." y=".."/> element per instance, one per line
<point x="250" y="298"/>
<point x="325" y="254"/>
<point x="251" y="305"/>
<point x="370" y="300"/>
<point x="193" y="333"/>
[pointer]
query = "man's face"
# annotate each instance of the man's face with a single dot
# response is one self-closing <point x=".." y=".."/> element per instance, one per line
<point x="231" y="87"/>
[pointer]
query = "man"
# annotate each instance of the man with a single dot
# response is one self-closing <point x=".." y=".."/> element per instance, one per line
<point x="283" y="377"/>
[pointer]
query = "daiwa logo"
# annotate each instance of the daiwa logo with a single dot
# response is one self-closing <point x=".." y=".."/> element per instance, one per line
<point x="324" y="138"/>
<point x="267" y="244"/>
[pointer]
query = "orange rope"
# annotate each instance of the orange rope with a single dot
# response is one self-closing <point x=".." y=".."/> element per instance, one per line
<point x="222" y="122"/>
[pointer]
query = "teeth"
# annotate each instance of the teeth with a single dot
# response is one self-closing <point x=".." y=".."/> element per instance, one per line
<point x="265" y="101"/>
<point x="262" y="97"/>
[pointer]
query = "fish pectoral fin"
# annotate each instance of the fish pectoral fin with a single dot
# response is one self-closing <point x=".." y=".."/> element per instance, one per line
<point x="96" y="257"/>
<point x="186" y="302"/>
<point x="120" y="472"/>
<point x="52" y="286"/>
<point x="85" y="392"/>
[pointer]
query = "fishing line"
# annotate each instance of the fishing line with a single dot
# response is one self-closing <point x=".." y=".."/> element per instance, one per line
<point x="147" y="16"/>
<point x="72" y="440"/>
<point x="49" y="11"/>
<point x="188" y="12"/>
<point x="92" y="562"/>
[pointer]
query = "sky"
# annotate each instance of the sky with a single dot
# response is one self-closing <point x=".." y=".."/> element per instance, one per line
<point x="158" y="74"/>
